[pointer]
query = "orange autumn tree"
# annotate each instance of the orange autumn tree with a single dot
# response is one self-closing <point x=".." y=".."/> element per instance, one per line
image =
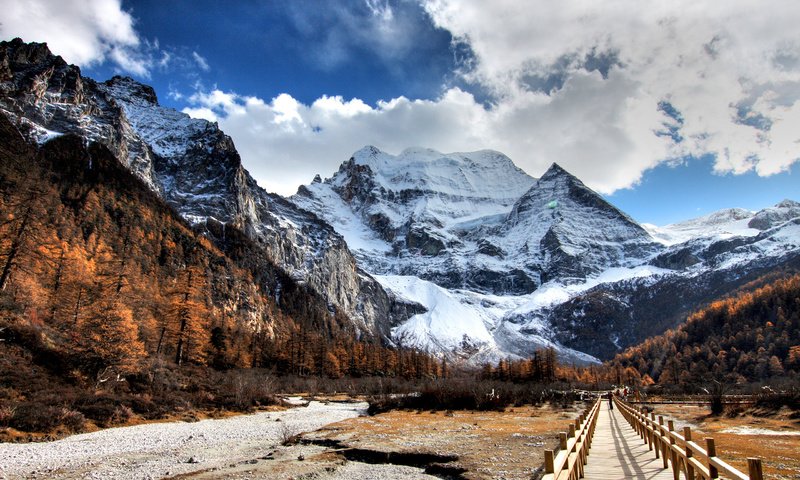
<point x="186" y="322"/>
<point x="109" y="337"/>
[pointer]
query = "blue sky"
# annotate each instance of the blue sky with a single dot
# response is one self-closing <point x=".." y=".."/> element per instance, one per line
<point x="671" y="111"/>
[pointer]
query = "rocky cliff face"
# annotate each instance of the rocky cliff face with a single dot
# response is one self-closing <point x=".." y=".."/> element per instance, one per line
<point x="192" y="165"/>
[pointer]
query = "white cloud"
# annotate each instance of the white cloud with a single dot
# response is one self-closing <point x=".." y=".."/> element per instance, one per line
<point x="201" y="61"/>
<point x="730" y="68"/>
<point x="284" y="142"/>
<point x="84" y="32"/>
<point x="604" y="89"/>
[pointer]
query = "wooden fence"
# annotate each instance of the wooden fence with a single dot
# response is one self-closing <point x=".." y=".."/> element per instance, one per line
<point x="680" y="452"/>
<point x="568" y="463"/>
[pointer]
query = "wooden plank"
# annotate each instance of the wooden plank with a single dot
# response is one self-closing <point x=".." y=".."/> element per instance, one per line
<point x="619" y="453"/>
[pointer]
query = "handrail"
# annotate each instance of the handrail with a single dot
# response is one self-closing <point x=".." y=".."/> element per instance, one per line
<point x="680" y="451"/>
<point x="574" y="445"/>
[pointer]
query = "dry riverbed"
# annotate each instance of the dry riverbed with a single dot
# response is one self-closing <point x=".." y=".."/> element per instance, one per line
<point x="332" y="440"/>
<point x="161" y="450"/>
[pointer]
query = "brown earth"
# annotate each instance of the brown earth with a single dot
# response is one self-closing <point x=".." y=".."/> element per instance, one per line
<point x="484" y="445"/>
<point x="416" y="444"/>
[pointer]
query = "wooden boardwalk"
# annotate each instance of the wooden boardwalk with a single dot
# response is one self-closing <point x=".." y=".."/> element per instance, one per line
<point x="618" y="453"/>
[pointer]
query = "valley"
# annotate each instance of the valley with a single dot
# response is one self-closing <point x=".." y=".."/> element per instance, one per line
<point x="443" y="313"/>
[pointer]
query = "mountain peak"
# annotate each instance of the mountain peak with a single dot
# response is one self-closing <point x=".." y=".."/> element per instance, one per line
<point x="20" y="53"/>
<point x="557" y="171"/>
<point x="366" y="152"/>
<point x="130" y="89"/>
<point x="774" y="216"/>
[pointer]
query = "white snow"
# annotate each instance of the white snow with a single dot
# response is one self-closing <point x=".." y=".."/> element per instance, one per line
<point x="484" y="174"/>
<point x="332" y="208"/>
<point x="555" y="293"/>
<point x="719" y="225"/>
<point x="456" y="316"/>
<point x="44" y="135"/>
<point x="447" y="322"/>
<point x="760" y="431"/>
<point x="158" y="450"/>
<point x="168" y="132"/>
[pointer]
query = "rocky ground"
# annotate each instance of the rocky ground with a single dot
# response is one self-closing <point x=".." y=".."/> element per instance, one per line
<point x="163" y="450"/>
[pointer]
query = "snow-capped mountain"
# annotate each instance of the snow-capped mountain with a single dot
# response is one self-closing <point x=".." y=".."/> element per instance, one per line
<point x="721" y="224"/>
<point x="564" y="229"/>
<point x="193" y="166"/>
<point x="505" y="264"/>
<point x="472" y="220"/>
<point x="415" y="213"/>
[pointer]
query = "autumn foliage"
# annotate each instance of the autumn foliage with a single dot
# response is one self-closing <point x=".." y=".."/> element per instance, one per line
<point x="749" y="338"/>
<point x="101" y="283"/>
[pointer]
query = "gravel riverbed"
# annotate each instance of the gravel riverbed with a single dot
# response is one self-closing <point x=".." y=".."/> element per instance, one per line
<point x="167" y="449"/>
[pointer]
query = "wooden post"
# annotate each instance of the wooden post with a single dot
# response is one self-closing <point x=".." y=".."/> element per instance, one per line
<point x="754" y="469"/>
<point x="571" y="433"/>
<point x="664" y="445"/>
<point x="656" y="434"/>
<point x="562" y="437"/>
<point x="687" y="435"/>
<point x="676" y="470"/>
<point x="711" y="450"/>
<point x="549" y="462"/>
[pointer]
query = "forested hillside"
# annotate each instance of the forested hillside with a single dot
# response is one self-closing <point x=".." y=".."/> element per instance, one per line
<point x="102" y="284"/>
<point x="751" y="337"/>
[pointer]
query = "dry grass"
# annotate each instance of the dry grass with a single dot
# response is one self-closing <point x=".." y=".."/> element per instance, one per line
<point x="780" y="453"/>
<point x="506" y="444"/>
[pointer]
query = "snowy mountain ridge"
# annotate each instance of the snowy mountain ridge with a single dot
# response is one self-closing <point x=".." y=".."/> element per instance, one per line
<point x="496" y="273"/>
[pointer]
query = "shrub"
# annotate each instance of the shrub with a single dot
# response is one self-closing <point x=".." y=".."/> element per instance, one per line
<point x="100" y="408"/>
<point x="35" y="417"/>
<point x="6" y="415"/>
<point x="73" y="421"/>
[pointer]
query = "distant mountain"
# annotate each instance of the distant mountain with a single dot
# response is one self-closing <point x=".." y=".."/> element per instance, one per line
<point x="507" y="266"/>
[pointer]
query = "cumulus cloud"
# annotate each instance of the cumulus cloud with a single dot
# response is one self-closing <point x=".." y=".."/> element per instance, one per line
<point x="84" y="32"/>
<point x="608" y="90"/>
<point x="728" y="70"/>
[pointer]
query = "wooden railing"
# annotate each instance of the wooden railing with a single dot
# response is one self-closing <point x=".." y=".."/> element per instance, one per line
<point x="568" y="463"/>
<point x="680" y="452"/>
